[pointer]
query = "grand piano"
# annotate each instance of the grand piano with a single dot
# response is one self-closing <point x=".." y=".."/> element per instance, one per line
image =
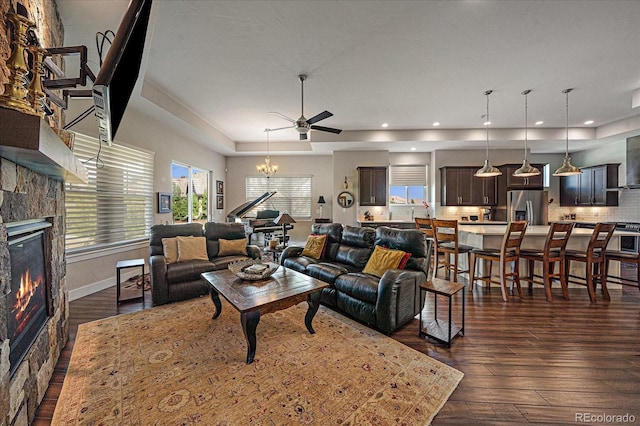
<point x="264" y="220"/>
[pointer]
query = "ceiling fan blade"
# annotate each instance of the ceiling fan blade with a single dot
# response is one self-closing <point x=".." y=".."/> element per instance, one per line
<point x="291" y="120"/>
<point x="303" y="136"/>
<point x="321" y="116"/>
<point x="327" y="129"/>
<point x="282" y="128"/>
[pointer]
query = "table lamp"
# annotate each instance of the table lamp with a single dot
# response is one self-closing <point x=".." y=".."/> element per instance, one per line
<point x="283" y="220"/>
<point x="321" y="202"/>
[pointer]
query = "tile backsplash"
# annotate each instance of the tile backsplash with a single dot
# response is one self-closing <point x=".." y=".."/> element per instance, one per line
<point x="628" y="210"/>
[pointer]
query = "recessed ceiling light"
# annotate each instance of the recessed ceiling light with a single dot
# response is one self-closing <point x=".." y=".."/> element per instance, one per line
<point x="539" y="122"/>
<point x="436" y="123"/>
<point x="486" y="123"/>
<point x="413" y="148"/>
<point x="588" y="122"/>
<point x="385" y="125"/>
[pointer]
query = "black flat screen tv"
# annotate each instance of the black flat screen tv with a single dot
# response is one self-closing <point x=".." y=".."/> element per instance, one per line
<point x="119" y="71"/>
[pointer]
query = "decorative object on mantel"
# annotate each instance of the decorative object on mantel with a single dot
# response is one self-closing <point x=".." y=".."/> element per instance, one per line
<point x="527" y="170"/>
<point x="267" y="168"/>
<point x="16" y="95"/>
<point x="345" y="184"/>
<point x="487" y="170"/>
<point x="567" y="169"/>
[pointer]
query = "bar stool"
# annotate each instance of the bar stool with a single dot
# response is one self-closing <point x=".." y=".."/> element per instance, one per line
<point x="426" y="226"/>
<point x="623" y="257"/>
<point x="446" y="238"/>
<point x="554" y="249"/>
<point x="508" y="253"/>
<point x="594" y="259"/>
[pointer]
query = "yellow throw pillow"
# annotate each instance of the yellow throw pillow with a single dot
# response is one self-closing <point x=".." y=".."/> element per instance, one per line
<point x="315" y="246"/>
<point x="229" y="247"/>
<point x="192" y="248"/>
<point x="382" y="260"/>
<point x="170" y="249"/>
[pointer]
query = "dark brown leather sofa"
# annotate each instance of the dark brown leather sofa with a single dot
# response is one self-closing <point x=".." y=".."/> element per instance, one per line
<point x="181" y="280"/>
<point x="384" y="303"/>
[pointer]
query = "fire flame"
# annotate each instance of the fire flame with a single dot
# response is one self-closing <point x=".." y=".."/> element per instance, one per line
<point x="28" y="288"/>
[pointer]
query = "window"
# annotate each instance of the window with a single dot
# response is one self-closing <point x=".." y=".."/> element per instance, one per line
<point x="408" y="185"/>
<point x="293" y="194"/>
<point x="117" y="204"/>
<point x="190" y="193"/>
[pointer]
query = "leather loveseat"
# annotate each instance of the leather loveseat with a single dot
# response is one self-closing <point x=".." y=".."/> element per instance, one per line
<point x="385" y="303"/>
<point x="171" y="282"/>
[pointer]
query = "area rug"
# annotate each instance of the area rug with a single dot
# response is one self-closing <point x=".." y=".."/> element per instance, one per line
<point x="174" y="365"/>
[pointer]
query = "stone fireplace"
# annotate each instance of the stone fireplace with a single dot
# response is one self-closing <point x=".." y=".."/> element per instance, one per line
<point x="26" y="197"/>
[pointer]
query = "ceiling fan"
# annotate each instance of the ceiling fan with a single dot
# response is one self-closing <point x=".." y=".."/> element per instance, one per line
<point x="302" y="124"/>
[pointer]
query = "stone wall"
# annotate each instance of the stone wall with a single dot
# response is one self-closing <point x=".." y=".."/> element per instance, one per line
<point x="25" y="195"/>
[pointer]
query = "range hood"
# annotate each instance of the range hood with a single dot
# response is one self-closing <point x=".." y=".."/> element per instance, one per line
<point x="633" y="162"/>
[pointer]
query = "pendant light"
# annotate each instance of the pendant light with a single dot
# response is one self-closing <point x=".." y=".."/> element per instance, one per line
<point x="267" y="168"/>
<point x="527" y="170"/>
<point x="567" y="169"/>
<point x="487" y="170"/>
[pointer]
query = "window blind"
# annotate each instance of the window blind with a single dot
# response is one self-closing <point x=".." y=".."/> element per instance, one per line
<point x="117" y="203"/>
<point x="408" y="175"/>
<point x="293" y="194"/>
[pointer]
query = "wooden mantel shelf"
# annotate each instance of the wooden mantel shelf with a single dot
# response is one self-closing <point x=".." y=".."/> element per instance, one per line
<point x="28" y="140"/>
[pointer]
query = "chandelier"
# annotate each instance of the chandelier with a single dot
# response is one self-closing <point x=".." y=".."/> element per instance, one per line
<point x="567" y="169"/>
<point x="487" y="170"/>
<point x="267" y="168"/>
<point x="526" y="170"/>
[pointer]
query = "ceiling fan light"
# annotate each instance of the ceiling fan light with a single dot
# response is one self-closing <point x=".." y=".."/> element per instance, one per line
<point x="526" y="170"/>
<point x="567" y="169"/>
<point x="487" y="170"/>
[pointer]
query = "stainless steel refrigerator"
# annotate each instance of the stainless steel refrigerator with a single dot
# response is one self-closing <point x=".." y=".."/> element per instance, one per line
<point x="531" y="206"/>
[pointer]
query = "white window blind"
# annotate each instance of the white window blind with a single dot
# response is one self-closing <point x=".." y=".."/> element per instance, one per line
<point x="116" y="206"/>
<point x="408" y="175"/>
<point x="293" y="194"/>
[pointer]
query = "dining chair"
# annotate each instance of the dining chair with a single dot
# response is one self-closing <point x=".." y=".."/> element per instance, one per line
<point x="426" y="226"/>
<point x="594" y="260"/>
<point x="508" y="255"/>
<point x="445" y="232"/>
<point x="627" y="257"/>
<point x="553" y="252"/>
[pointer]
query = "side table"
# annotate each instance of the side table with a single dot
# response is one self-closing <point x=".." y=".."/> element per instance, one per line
<point x="440" y="330"/>
<point x="124" y="264"/>
<point x="275" y="252"/>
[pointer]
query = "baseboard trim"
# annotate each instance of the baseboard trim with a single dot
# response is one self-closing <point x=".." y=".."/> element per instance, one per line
<point x="78" y="293"/>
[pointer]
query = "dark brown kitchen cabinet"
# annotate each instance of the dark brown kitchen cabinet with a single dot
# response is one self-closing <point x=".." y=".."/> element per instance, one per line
<point x="458" y="187"/>
<point x="510" y="182"/>
<point x="596" y="186"/>
<point x="373" y="186"/>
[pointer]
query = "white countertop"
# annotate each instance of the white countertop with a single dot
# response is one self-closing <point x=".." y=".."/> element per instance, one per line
<point x="533" y="230"/>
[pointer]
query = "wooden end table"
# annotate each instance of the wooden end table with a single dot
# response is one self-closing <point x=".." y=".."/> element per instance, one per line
<point x="283" y="289"/>
<point x="442" y="331"/>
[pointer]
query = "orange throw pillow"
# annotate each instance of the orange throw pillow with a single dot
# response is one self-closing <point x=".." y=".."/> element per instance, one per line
<point x="192" y="248"/>
<point x="231" y="247"/>
<point x="170" y="249"/>
<point x="314" y="248"/>
<point x="382" y="260"/>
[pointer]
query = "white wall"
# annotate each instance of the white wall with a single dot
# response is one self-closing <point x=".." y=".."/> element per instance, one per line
<point x="319" y="167"/>
<point x="86" y="274"/>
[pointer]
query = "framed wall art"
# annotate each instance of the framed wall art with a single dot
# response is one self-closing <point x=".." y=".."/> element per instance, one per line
<point x="219" y="187"/>
<point x="220" y="202"/>
<point x="164" y="202"/>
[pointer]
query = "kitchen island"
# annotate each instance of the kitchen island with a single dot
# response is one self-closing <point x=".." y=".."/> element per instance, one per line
<point x="490" y="236"/>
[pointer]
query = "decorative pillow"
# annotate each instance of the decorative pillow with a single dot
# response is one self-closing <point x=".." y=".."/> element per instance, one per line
<point x="170" y="249"/>
<point x="315" y="246"/>
<point x="404" y="260"/>
<point x="229" y="247"/>
<point x="382" y="260"/>
<point x="192" y="248"/>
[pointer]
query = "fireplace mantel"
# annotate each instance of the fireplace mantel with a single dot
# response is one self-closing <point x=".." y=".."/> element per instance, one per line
<point x="29" y="141"/>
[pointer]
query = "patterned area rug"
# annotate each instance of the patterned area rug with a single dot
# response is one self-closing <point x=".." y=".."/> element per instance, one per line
<point x="174" y="365"/>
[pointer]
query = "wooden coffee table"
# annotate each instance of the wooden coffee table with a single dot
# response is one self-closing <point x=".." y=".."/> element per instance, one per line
<point x="281" y="290"/>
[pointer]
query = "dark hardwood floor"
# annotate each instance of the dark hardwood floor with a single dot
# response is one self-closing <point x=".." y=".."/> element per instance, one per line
<point x="525" y="361"/>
